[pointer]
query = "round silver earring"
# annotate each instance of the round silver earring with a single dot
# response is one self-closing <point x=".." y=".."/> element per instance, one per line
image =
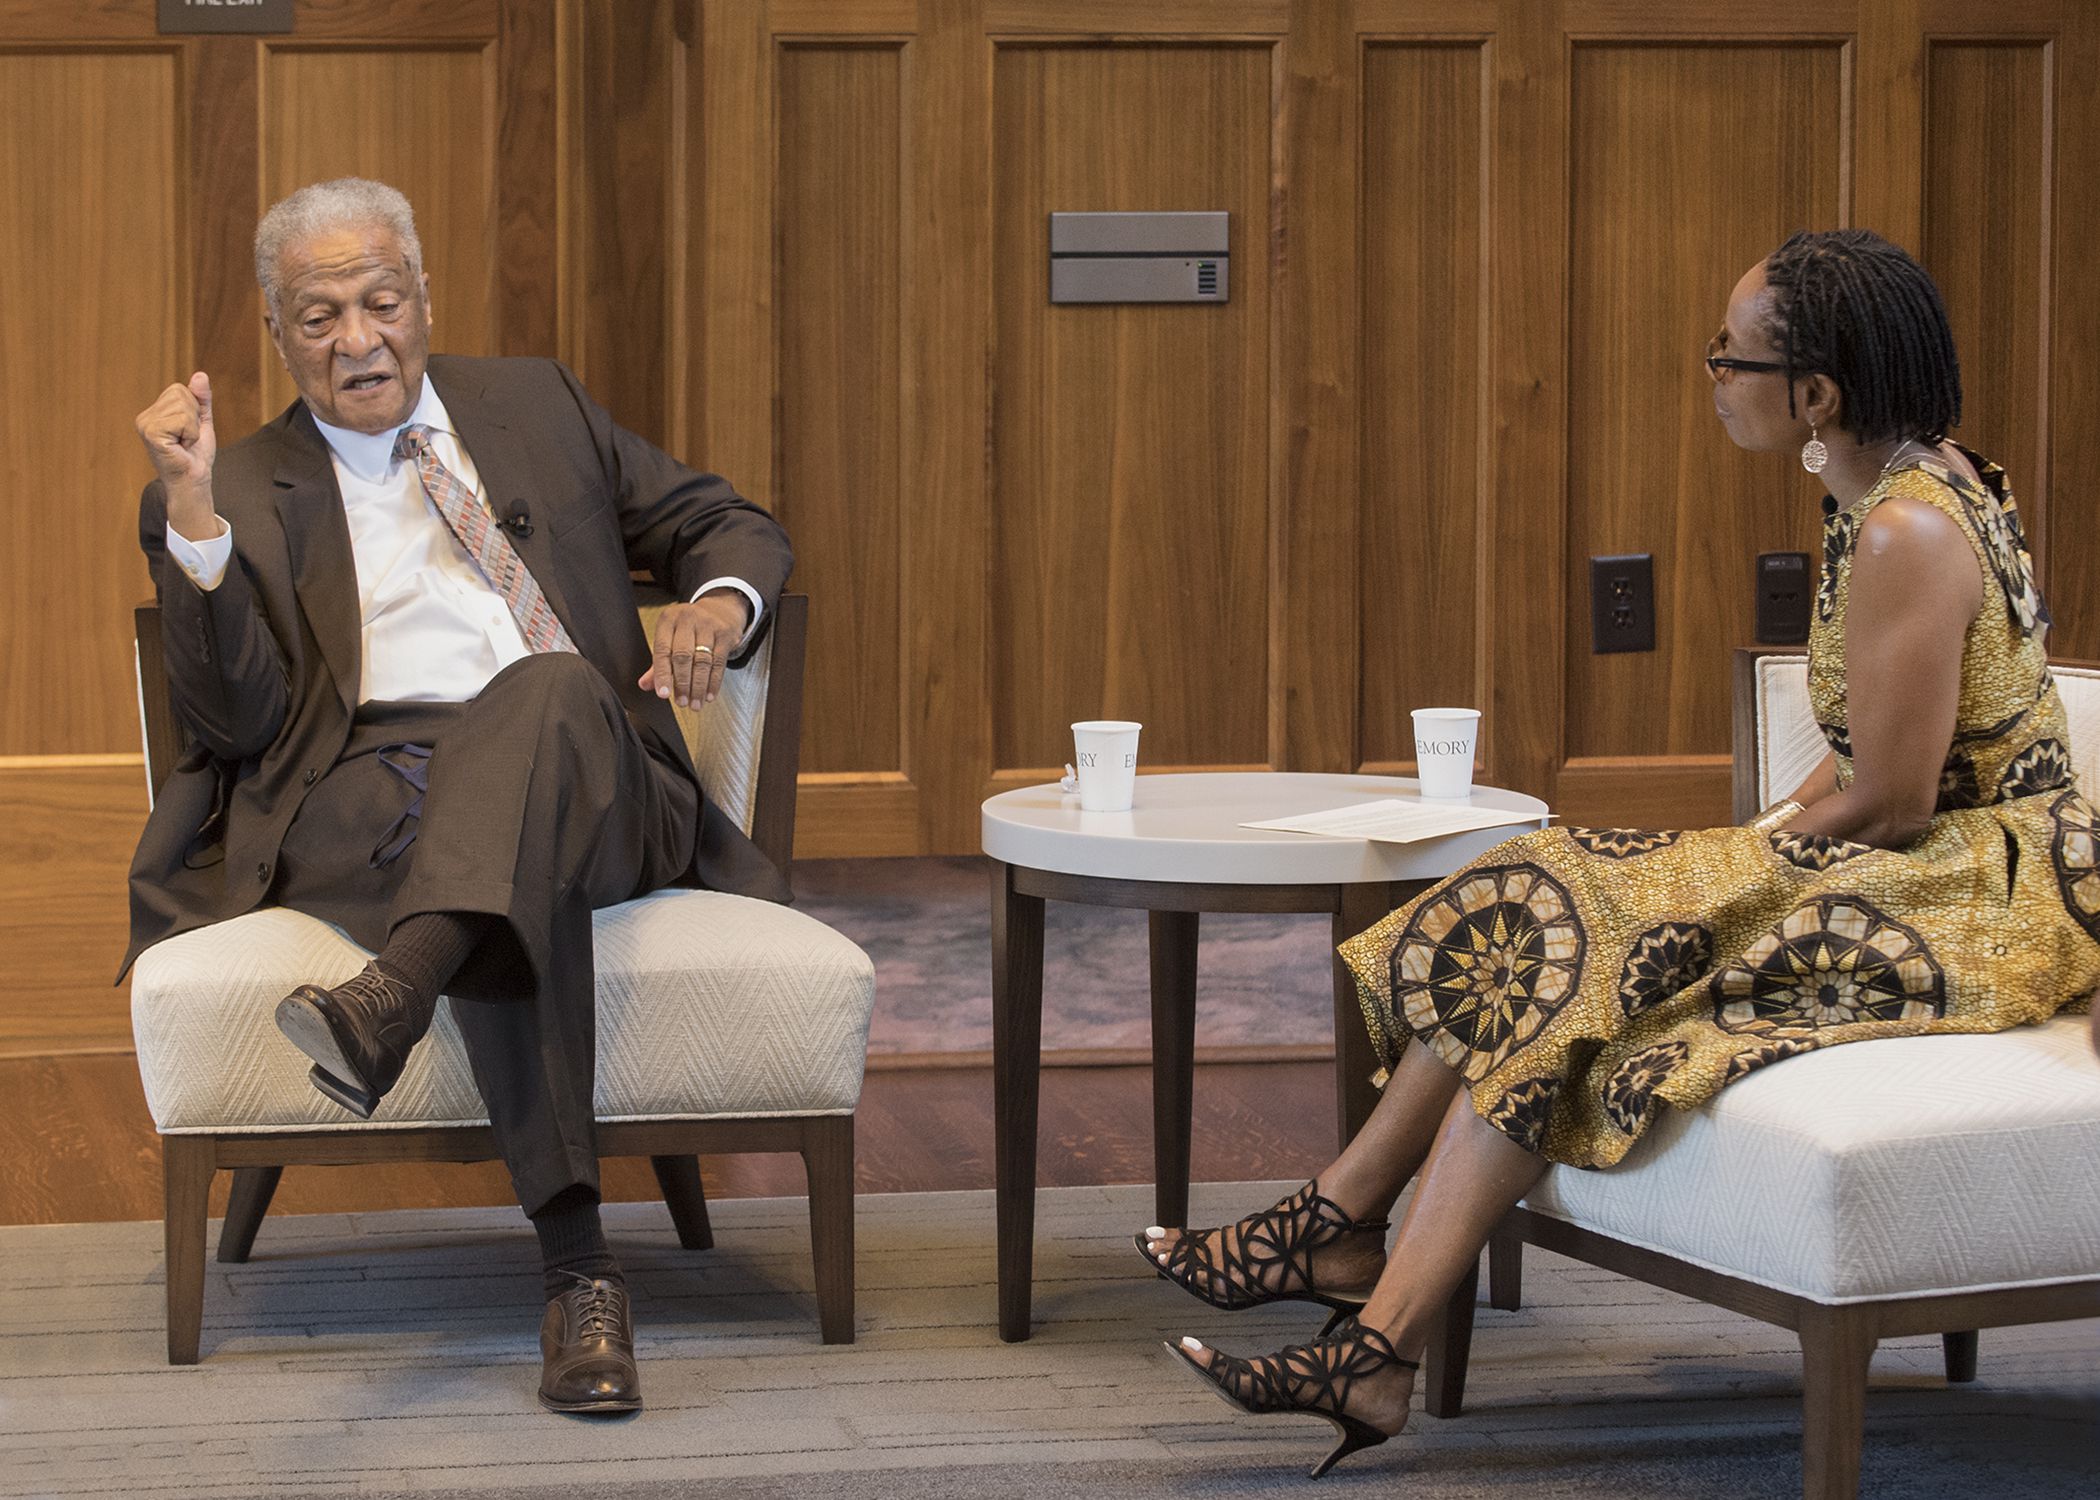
<point x="1813" y="454"/>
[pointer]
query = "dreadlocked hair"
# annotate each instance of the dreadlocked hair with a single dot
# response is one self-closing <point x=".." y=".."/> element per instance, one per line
<point x="1848" y="304"/>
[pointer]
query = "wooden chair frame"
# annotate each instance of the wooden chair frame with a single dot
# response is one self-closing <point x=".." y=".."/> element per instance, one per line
<point x="824" y="1142"/>
<point x="1837" y="1339"/>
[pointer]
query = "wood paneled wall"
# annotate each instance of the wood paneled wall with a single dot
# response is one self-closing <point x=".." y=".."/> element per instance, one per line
<point x="1477" y="247"/>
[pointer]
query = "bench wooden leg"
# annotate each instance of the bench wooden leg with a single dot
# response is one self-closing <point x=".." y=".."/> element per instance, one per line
<point x="186" y="1166"/>
<point x="1960" y="1350"/>
<point x="679" y="1178"/>
<point x="827" y="1154"/>
<point x="1506" y="1266"/>
<point x="1450" y="1346"/>
<point x="253" y="1187"/>
<point x="1837" y="1345"/>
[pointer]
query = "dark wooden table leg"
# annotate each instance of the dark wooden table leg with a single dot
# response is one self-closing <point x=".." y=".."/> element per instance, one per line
<point x="1355" y="1060"/>
<point x="1017" y="1046"/>
<point x="1174" y="936"/>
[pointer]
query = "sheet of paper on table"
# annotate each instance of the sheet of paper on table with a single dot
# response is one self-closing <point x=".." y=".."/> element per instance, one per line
<point x="1398" y="820"/>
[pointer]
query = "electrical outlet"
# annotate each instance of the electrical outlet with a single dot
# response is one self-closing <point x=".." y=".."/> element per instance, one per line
<point x="1784" y="587"/>
<point x="1622" y="603"/>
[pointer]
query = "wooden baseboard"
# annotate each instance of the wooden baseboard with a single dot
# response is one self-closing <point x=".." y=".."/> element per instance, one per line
<point x="1645" y="791"/>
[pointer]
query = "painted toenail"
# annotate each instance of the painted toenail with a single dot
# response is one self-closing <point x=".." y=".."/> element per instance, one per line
<point x="1192" y="1345"/>
<point x="1154" y="1232"/>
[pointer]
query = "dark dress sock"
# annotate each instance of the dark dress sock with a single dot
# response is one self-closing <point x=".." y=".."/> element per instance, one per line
<point x="424" y="951"/>
<point x="572" y="1241"/>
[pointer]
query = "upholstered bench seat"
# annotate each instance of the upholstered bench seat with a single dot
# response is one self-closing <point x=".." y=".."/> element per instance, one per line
<point x="1913" y="1166"/>
<point x="709" y="1006"/>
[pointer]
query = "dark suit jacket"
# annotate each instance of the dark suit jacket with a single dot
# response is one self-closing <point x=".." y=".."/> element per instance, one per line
<point x="264" y="669"/>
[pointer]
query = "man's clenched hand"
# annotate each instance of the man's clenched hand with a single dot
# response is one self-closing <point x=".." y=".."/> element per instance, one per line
<point x="179" y="437"/>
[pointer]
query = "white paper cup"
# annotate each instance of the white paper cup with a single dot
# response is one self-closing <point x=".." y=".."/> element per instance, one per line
<point x="1444" y="741"/>
<point x="1105" y="756"/>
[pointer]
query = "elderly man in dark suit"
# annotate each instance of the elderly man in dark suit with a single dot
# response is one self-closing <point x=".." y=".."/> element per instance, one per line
<point x="401" y="633"/>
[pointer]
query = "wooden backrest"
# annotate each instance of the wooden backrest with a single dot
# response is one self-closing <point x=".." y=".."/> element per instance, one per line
<point x="747" y="744"/>
<point x="1777" y="742"/>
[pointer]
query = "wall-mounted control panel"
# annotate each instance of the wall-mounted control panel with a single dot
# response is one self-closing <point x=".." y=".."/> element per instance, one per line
<point x="1785" y="587"/>
<point x="1125" y="257"/>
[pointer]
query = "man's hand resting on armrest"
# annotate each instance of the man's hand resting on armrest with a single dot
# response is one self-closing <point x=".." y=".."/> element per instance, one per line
<point x="693" y="645"/>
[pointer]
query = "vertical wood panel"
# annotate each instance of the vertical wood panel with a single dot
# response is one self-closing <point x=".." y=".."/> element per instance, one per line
<point x="1521" y="734"/>
<point x="622" y="341"/>
<point x="2070" y="548"/>
<point x="1130" y="501"/>
<point x="1986" y="231"/>
<point x="1424" y="321"/>
<point x="65" y="843"/>
<point x="420" y="119"/>
<point x="92" y="327"/>
<point x="840" y="423"/>
<point x="1688" y="164"/>
<point x="1314" y="661"/>
<point x="948" y="300"/>
<point x="527" y="193"/>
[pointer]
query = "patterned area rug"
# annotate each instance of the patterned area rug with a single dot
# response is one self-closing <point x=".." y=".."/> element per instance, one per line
<point x="1262" y="980"/>
<point x="392" y="1355"/>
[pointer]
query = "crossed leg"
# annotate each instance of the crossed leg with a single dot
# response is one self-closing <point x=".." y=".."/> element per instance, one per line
<point x="1469" y="1174"/>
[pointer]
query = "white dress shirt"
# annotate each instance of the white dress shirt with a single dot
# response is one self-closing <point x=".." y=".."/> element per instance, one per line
<point x="434" y="628"/>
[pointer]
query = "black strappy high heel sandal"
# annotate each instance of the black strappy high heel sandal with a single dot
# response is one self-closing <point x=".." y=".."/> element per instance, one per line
<point x="1281" y="1237"/>
<point x="1313" y="1378"/>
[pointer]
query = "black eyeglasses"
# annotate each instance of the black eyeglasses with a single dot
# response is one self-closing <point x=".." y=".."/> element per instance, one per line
<point x="1717" y="364"/>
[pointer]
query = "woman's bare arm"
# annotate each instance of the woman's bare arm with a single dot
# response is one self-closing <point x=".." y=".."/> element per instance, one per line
<point x="1916" y="588"/>
<point x="1819" y="783"/>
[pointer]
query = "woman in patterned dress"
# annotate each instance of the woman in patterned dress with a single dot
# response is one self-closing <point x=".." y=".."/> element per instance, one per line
<point x="1937" y="872"/>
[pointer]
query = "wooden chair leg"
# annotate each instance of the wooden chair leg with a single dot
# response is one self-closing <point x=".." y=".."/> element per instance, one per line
<point x="1506" y="1265"/>
<point x="1837" y="1345"/>
<point x="827" y="1155"/>
<point x="1450" y="1346"/>
<point x="679" y="1177"/>
<point x="186" y="1166"/>
<point x="253" y="1187"/>
<point x="1960" y="1349"/>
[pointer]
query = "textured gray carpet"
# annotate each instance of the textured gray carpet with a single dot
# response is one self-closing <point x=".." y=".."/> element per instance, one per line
<point x="393" y="1355"/>
<point x="927" y="924"/>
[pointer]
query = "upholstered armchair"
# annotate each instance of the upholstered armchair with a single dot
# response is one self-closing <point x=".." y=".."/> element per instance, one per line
<point x="1934" y="1184"/>
<point x="725" y="1024"/>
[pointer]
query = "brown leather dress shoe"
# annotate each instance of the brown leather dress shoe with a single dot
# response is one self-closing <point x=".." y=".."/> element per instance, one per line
<point x="358" y="1034"/>
<point x="587" y="1350"/>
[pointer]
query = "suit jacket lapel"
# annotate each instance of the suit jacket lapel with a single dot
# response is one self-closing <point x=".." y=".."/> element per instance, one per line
<point x="507" y="482"/>
<point x="324" y="568"/>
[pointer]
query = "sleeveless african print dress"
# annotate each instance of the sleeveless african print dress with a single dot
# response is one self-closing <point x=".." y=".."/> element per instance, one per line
<point x="1579" y="979"/>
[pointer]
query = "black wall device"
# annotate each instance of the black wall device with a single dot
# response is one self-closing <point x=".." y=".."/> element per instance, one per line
<point x="1784" y="588"/>
<point x="1622" y="603"/>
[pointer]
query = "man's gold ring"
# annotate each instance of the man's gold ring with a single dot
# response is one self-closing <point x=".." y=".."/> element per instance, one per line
<point x="707" y="650"/>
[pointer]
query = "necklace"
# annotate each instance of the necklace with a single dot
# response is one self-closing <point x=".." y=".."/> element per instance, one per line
<point x="1906" y="443"/>
<point x="1830" y="505"/>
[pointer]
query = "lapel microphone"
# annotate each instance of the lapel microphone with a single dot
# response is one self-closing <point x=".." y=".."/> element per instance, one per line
<point x="517" y="519"/>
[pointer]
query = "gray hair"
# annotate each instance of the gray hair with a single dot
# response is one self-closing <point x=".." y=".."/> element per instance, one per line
<point x="346" y="202"/>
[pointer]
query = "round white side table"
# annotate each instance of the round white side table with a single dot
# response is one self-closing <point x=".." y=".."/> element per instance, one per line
<point x="1177" y="853"/>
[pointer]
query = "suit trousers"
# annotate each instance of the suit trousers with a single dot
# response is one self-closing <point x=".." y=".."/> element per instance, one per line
<point x="540" y="802"/>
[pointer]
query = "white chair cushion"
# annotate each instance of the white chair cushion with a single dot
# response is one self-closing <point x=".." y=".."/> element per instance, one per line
<point x="709" y="1005"/>
<point x="1789" y="745"/>
<point x="1898" y="1167"/>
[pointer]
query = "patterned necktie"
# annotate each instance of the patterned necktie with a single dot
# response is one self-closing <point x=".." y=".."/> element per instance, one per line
<point x="485" y="542"/>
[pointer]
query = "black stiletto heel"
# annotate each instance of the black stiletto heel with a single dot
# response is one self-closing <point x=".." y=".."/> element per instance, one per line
<point x="1279" y="1238"/>
<point x="1314" y="1379"/>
